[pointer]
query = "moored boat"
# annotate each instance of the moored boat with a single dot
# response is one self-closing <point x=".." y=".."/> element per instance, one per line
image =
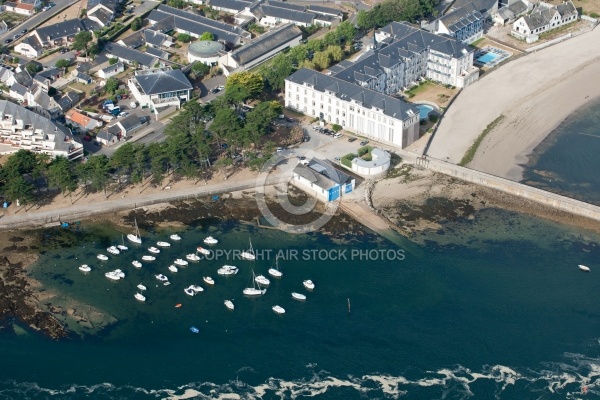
<point x="584" y="268"/>
<point x="248" y="254"/>
<point x="175" y="237"/>
<point x="278" y="310"/>
<point x="189" y="291"/>
<point x="275" y="272"/>
<point x="298" y="296"/>
<point x="163" y="244"/>
<point x="139" y="296"/>
<point x="211" y="240"/>
<point x="122" y="246"/>
<point x="85" y="268"/>
<point x="308" y="284"/>
<point x="227" y="270"/>
<point x="180" y="262"/>
<point x="192" y="257"/>
<point x="194" y="329"/>
<point x="254" y="291"/>
<point x="202" y="250"/>
<point x="102" y="257"/>
<point x="196" y="288"/>
<point x="113" y="250"/>
<point x="153" y="250"/>
<point x="161" y="278"/>
<point x="208" y="280"/>
<point x="229" y="304"/>
<point x="136" y="264"/>
<point x="135" y="237"/>
<point x="141" y="287"/>
<point x="173" y="268"/>
<point x="112" y="275"/>
<point x="262" y="280"/>
<point x="148" y="258"/>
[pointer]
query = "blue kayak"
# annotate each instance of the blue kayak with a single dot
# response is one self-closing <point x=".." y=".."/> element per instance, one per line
<point x="194" y="329"/>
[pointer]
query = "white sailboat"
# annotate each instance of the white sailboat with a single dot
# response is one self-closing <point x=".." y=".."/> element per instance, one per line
<point x="275" y="272"/>
<point x="192" y="257"/>
<point x="202" y="250"/>
<point x="189" y="291"/>
<point x="173" y="268"/>
<point x="180" y="262"/>
<point x="113" y="250"/>
<point x="278" y="310"/>
<point x="298" y="296"/>
<point x="254" y="291"/>
<point x="122" y="246"/>
<point x="262" y="280"/>
<point x="584" y="268"/>
<point x="135" y="237"/>
<point x="136" y="264"/>
<point x="308" y="284"/>
<point x="141" y="287"/>
<point x="208" y="280"/>
<point x="227" y="270"/>
<point x="85" y="268"/>
<point x="196" y="288"/>
<point x="163" y="244"/>
<point x="175" y="237"/>
<point x="148" y="258"/>
<point x="153" y="249"/>
<point x="211" y="240"/>
<point x="102" y="257"/>
<point x="229" y="304"/>
<point x="140" y="297"/>
<point x="248" y="254"/>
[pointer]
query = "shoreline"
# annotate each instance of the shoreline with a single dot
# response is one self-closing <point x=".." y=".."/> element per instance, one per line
<point x="538" y="92"/>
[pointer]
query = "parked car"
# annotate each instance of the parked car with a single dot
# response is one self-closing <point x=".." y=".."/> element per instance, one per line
<point x="24" y="31"/>
<point x="338" y="135"/>
<point x="290" y="119"/>
<point x="215" y="90"/>
<point x="18" y="35"/>
<point x="352" y="139"/>
<point x="87" y="138"/>
<point x="279" y="149"/>
<point x="115" y="111"/>
<point x="337" y="159"/>
<point x="364" y="142"/>
<point x="123" y="114"/>
<point x="221" y="87"/>
<point x="132" y="105"/>
<point x="8" y="40"/>
<point x="63" y="50"/>
<point x="118" y="97"/>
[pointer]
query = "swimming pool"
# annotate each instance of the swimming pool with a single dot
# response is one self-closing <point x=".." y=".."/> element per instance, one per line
<point x="487" y="58"/>
<point x="424" y="110"/>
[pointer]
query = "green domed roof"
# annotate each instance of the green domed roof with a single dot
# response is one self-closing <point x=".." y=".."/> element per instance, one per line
<point x="205" y="49"/>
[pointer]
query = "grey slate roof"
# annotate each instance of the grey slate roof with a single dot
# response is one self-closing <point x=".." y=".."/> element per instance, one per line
<point x="518" y="7"/>
<point x="33" y="41"/>
<point x="325" y="17"/>
<point x="84" y="77"/>
<point x="130" y="122"/>
<point x="539" y="17"/>
<point x="116" y="65"/>
<point x="196" y="24"/>
<point x="23" y="78"/>
<point x="287" y="14"/>
<point x="461" y="17"/>
<point x="163" y="81"/>
<point x="59" y="30"/>
<point x="346" y="91"/>
<point x="157" y="53"/>
<point x="110" y="4"/>
<point x="131" y="55"/>
<point x="265" y="43"/>
<point x="134" y="40"/>
<point x="155" y="38"/>
<point x="237" y="5"/>
<point x="483" y="6"/>
<point x="89" y="25"/>
<point x="104" y="135"/>
<point x="37" y="121"/>
<point x="321" y="173"/>
<point x="566" y="9"/>
<point x="325" y="10"/>
<point x="18" y="88"/>
<point x="49" y="73"/>
<point x="167" y="24"/>
<point x="102" y="15"/>
<point x="68" y="101"/>
<point x="287" y="6"/>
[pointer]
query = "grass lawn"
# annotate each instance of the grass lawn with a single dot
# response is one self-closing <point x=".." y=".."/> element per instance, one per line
<point x="432" y="92"/>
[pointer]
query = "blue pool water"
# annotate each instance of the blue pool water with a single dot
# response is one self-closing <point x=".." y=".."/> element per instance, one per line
<point x="487" y="58"/>
<point x="424" y="110"/>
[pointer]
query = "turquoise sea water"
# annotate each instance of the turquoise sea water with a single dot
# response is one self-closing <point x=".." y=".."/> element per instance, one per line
<point x="567" y="161"/>
<point x="488" y="308"/>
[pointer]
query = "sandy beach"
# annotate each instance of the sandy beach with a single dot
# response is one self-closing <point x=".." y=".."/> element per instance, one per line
<point x="534" y="93"/>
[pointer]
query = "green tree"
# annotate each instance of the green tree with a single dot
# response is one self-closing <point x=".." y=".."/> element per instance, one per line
<point x="124" y="158"/>
<point x="275" y="74"/>
<point x="258" y="120"/>
<point x="184" y="37"/>
<point x="346" y="31"/>
<point x="207" y="36"/>
<point x="82" y="13"/>
<point x="17" y="188"/>
<point x="236" y="94"/>
<point x="136" y="24"/>
<point x="322" y="60"/>
<point x="20" y="163"/>
<point x="61" y="175"/>
<point x="33" y="68"/>
<point x="62" y="63"/>
<point x="82" y="41"/>
<point x="141" y="160"/>
<point x="112" y="84"/>
<point x="113" y="61"/>
<point x="96" y="170"/>
<point x="335" y="53"/>
<point x="252" y="81"/>
<point x="176" y="3"/>
<point x="158" y="161"/>
<point x="225" y="123"/>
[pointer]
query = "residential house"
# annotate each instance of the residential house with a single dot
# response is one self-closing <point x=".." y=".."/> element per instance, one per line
<point x="106" y="138"/>
<point x="280" y="15"/>
<point x="21" y="77"/>
<point x="153" y="51"/>
<point x="322" y="180"/>
<point x="6" y="73"/>
<point x="157" y="39"/>
<point x="544" y="17"/>
<point x="261" y="49"/>
<point x="356" y="108"/>
<point x="325" y="20"/>
<point x="158" y="89"/>
<point x="126" y="126"/>
<point x="229" y="6"/>
<point x="332" y="12"/>
<point x="68" y="101"/>
<point x="28" y="130"/>
<point x="38" y="97"/>
<point x="19" y="8"/>
<point x="487" y="8"/>
<point x="102" y="11"/>
<point x="82" y="121"/>
<point x="510" y="13"/>
<point x="58" y="34"/>
<point x="3" y="27"/>
<point x="134" y="40"/>
<point x="130" y="56"/>
<point x="464" y="24"/>
<point x="18" y="92"/>
<point x="111" y="70"/>
<point x="79" y="75"/>
<point x="30" y="47"/>
<point x="46" y="78"/>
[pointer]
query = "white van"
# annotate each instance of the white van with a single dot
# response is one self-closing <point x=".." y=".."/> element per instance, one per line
<point x="338" y="135"/>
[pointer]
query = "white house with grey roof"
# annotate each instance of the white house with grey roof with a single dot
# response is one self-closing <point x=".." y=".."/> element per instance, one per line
<point x="261" y="49"/>
<point x="322" y="180"/>
<point x="275" y="15"/>
<point x="111" y="70"/>
<point x="464" y="24"/>
<point x="159" y="89"/>
<point x="229" y="6"/>
<point x="58" y="34"/>
<point x="130" y="56"/>
<point x="543" y="18"/>
<point x="30" y="47"/>
<point x="25" y="129"/>
<point x="356" y="108"/>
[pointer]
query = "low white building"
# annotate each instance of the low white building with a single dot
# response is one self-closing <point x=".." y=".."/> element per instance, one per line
<point x="25" y="129"/>
<point x="543" y="18"/>
<point x="377" y="167"/>
<point x="362" y="110"/>
<point x="322" y="180"/>
<point x="158" y="89"/>
<point x="206" y="51"/>
<point x="111" y="70"/>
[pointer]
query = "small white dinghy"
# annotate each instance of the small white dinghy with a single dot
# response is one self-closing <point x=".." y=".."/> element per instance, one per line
<point x="279" y="310"/>
<point x="229" y="304"/>
<point x="193" y="257"/>
<point x="102" y="257"/>
<point x="298" y="296"/>
<point x="202" y="250"/>
<point x="162" y="278"/>
<point x="85" y="268"/>
<point x="211" y="240"/>
<point x="208" y="280"/>
<point x="175" y="237"/>
<point x="113" y="250"/>
<point x="308" y="284"/>
<point x="141" y="287"/>
<point x="148" y="258"/>
<point x="140" y="297"/>
<point x="180" y="262"/>
<point x="136" y="264"/>
<point x="163" y="244"/>
<point x="153" y="250"/>
<point x="173" y="268"/>
<point x="584" y="268"/>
